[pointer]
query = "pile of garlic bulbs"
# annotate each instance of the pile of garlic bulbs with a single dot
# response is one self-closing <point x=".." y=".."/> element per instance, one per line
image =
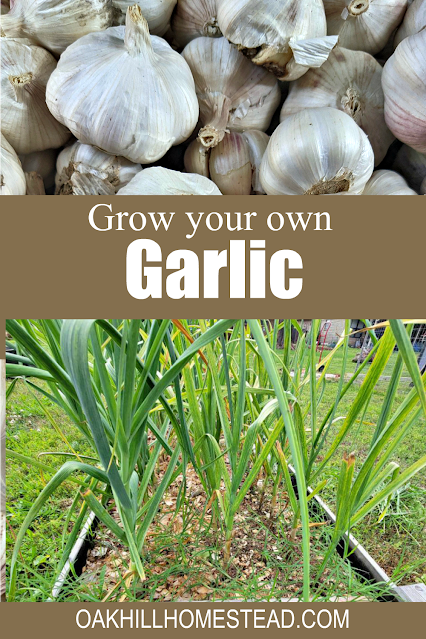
<point x="211" y="97"/>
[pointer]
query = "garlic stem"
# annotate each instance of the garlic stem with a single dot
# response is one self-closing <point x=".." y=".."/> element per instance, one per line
<point x="214" y="131"/>
<point x="352" y="104"/>
<point x="136" y="36"/>
<point x="357" y="7"/>
<point x="211" y="28"/>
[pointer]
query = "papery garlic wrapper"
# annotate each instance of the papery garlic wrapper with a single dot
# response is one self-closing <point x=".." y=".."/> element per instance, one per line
<point x="124" y="91"/>
<point x="414" y="21"/>
<point x="352" y="82"/>
<point x="156" y="12"/>
<point x="55" y="24"/>
<point x="25" y="119"/>
<point x="412" y="165"/>
<point x="35" y="184"/>
<point x="43" y="163"/>
<point x="233" y="164"/>
<point x="194" y="19"/>
<point x="83" y="159"/>
<point x="287" y="37"/>
<point x="317" y="152"/>
<point x="387" y="183"/>
<point x="12" y="178"/>
<point x="157" y="180"/>
<point x="234" y="95"/>
<point x="364" y="25"/>
<point x="404" y="86"/>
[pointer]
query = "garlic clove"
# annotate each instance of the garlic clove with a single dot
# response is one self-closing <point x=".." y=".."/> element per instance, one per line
<point x="257" y="142"/>
<point x="156" y="12"/>
<point x="387" y="183"/>
<point x="196" y="158"/>
<point x="89" y="184"/>
<point x="125" y="92"/>
<point x="43" y="163"/>
<point x="157" y="180"/>
<point x="12" y="177"/>
<point x="35" y="185"/>
<point x="412" y="165"/>
<point x="317" y="152"/>
<point x="414" y="21"/>
<point x="193" y="19"/>
<point x="230" y="166"/>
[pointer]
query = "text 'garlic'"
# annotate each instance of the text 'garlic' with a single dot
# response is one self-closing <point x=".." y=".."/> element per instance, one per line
<point x="12" y="178"/>
<point x="317" y="152"/>
<point x="157" y="180"/>
<point x="387" y="183"/>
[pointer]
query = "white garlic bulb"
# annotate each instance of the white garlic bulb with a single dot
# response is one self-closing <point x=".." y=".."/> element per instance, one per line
<point x="124" y="91"/>
<point x="287" y="37"/>
<point x="84" y="159"/>
<point x="233" y="94"/>
<point x="387" y="183"/>
<point x="194" y="19"/>
<point x="317" y="152"/>
<point x="412" y="165"/>
<point x="35" y="184"/>
<point x="233" y="164"/>
<point x="157" y="180"/>
<point x="12" y="178"/>
<point x="55" y="24"/>
<point x="364" y="25"/>
<point x="43" y="163"/>
<point x="414" y="21"/>
<point x="25" y="119"/>
<point x="404" y="86"/>
<point x="156" y="12"/>
<point x="352" y="82"/>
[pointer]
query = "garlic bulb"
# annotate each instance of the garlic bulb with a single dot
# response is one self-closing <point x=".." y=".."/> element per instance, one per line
<point x="287" y="37"/>
<point x="12" y="178"/>
<point x="25" y="119"/>
<point x="352" y="82"/>
<point x="193" y="19"/>
<point x="159" y="181"/>
<point x="317" y="152"/>
<point x="412" y="165"/>
<point x="387" y="183"/>
<point x="414" y="21"/>
<point x="35" y="184"/>
<point x="43" y="163"/>
<point x="83" y="159"/>
<point x="156" y="12"/>
<point x="364" y="25"/>
<point x="233" y="164"/>
<point x="233" y="94"/>
<point x="55" y="24"/>
<point x="124" y="91"/>
<point x="404" y="86"/>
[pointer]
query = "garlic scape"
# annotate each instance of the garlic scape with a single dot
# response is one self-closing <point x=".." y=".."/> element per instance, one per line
<point x="12" y="177"/>
<point x="233" y="94"/>
<point x="412" y="165"/>
<point x="414" y="21"/>
<point x="404" y="86"/>
<point x="287" y="37"/>
<point x="25" y="119"/>
<point x="125" y="92"/>
<point x="156" y="12"/>
<point x="387" y="183"/>
<point x="350" y="81"/>
<point x="193" y="19"/>
<point x="43" y="163"/>
<point x="81" y="165"/>
<point x="364" y="25"/>
<point x="157" y="180"/>
<point x="317" y="152"/>
<point x="55" y="24"/>
<point x="233" y="164"/>
<point x="35" y="184"/>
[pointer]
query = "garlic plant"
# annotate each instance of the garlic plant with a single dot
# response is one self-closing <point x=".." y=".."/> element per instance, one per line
<point x="156" y="12"/>
<point x="404" y="86"/>
<point x="412" y="165"/>
<point x="95" y="166"/>
<point x="193" y="19"/>
<point x="12" y="178"/>
<point x="349" y="81"/>
<point x="35" y="184"/>
<point x="414" y="21"/>
<point x="233" y="94"/>
<point x="364" y="25"/>
<point x="25" y="119"/>
<point x="233" y="164"/>
<point x="55" y="24"/>
<point x="157" y="180"/>
<point x="287" y="37"/>
<point x="43" y="163"/>
<point x="124" y="91"/>
<point x="317" y="152"/>
<point x="387" y="183"/>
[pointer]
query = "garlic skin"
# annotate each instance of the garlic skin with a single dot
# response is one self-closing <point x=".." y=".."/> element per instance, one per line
<point x="387" y="183"/>
<point x="414" y="21"/>
<point x="12" y="178"/>
<point x="83" y="159"/>
<point x="35" y="184"/>
<point x="194" y="19"/>
<point x="404" y="86"/>
<point x="233" y="164"/>
<point x="55" y="24"/>
<point x="285" y="36"/>
<point x="364" y="25"/>
<point x="412" y="165"/>
<point x="233" y="94"/>
<point x="317" y="152"/>
<point x="124" y="91"/>
<point x="350" y="81"/>
<point x="157" y="180"/>
<point x="156" y="12"/>
<point x="43" y="163"/>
